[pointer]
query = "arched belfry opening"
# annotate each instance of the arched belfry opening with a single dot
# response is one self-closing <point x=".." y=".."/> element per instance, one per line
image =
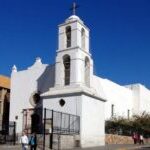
<point x="87" y="71"/>
<point x="68" y="36"/>
<point x="82" y="38"/>
<point x="66" y="62"/>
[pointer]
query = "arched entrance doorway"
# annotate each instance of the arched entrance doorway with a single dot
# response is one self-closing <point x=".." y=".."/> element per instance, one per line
<point x="35" y="121"/>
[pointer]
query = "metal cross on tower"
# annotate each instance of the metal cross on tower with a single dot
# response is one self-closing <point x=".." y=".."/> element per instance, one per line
<point x="74" y="7"/>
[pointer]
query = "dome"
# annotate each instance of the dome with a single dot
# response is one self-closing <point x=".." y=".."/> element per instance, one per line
<point x="73" y="18"/>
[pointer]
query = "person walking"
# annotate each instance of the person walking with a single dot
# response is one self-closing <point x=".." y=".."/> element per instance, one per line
<point x="135" y="137"/>
<point x="141" y="139"/>
<point x="33" y="142"/>
<point x="24" y="141"/>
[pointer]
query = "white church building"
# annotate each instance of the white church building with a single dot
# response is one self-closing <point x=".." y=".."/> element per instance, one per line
<point x="69" y="86"/>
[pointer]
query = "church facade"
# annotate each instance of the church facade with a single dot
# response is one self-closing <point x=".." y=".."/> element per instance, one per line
<point x="69" y="86"/>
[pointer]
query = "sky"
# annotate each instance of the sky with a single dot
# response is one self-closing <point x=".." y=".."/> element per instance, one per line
<point x="119" y="35"/>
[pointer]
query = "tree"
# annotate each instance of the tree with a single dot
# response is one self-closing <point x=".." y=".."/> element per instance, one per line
<point x="142" y="121"/>
<point x="120" y="125"/>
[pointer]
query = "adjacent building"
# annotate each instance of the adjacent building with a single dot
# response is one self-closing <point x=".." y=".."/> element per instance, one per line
<point x="4" y="101"/>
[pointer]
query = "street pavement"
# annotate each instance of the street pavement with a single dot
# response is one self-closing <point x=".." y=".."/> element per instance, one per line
<point x="107" y="147"/>
<point x="119" y="147"/>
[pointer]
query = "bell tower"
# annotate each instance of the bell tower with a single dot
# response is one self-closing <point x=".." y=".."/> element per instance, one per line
<point x="74" y="65"/>
<point x="76" y="85"/>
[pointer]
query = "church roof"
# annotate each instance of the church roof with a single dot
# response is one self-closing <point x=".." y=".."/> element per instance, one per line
<point x="72" y="90"/>
<point x="4" y="82"/>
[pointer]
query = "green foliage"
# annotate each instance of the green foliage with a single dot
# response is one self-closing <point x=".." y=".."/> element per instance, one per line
<point x="138" y="123"/>
<point x="142" y="121"/>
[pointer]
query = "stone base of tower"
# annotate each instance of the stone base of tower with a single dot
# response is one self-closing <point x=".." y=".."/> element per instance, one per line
<point x="62" y="142"/>
<point x="92" y="141"/>
<point x="65" y="142"/>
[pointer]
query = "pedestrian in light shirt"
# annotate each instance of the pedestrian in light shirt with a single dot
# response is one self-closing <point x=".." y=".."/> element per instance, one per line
<point x="24" y="141"/>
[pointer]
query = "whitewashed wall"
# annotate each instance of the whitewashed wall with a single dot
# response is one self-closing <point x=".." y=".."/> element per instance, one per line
<point x="72" y="104"/>
<point x="144" y="99"/>
<point x="136" y="97"/>
<point x="121" y="97"/>
<point x="23" y="84"/>
<point x="92" y="122"/>
<point x="141" y="98"/>
<point x="91" y="112"/>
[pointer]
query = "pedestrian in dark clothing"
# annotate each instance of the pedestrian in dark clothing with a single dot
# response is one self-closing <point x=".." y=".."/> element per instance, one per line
<point x="33" y="142"/>
<point x="135" y="137"/>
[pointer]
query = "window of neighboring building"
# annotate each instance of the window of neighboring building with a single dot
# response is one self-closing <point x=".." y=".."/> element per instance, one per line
<point x="68" y="36"/>
<point x="83" y="38"/>
<point x="112" y="110"/>
<point x="66" y="61"/>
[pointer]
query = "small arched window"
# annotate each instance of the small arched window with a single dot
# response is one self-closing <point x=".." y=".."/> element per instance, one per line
<point x="68" y="36"/>
<point x="66" y="61"/>
<point x="87" y="71"/>
<point x="83" y="38"/>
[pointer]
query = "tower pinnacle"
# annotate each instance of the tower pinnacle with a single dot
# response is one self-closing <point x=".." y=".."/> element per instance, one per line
<point x="74" y="7"/>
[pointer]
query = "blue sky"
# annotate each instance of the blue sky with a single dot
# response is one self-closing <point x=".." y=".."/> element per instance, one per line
<point x="120" y="35"/>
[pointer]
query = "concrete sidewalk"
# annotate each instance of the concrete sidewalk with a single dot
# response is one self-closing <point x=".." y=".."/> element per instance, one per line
<point x="118" y="147"/>
<point x="106" y="147"/>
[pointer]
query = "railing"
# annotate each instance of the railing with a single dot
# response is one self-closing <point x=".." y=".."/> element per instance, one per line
<point x="46" y="123"/>
<point x="8" y="133"/>
<point x="61" y="123"/>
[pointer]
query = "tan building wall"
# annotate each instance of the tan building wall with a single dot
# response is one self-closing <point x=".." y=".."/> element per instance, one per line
<point x="120" y="139"/>
<point x="4" y="99"/>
